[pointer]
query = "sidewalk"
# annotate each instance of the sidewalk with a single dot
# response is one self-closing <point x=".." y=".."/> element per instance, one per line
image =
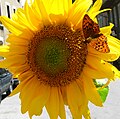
<point x="10" y="107"/>
<point x="111" y="109"/>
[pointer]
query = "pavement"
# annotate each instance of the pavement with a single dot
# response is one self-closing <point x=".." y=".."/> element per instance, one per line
<point x="10" y="107"/>
<point x="111" y="108"/>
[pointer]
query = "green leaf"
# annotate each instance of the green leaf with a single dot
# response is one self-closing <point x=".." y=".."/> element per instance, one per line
<point x="103" y="92"/>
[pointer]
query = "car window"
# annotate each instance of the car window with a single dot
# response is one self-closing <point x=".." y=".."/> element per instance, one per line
<point x="3" y="72"/>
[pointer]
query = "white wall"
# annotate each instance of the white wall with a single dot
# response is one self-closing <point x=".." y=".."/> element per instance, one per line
<point x="13" y="4"/>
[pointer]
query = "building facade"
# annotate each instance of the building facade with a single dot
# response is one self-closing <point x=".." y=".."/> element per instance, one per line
<point x="111" y="16"/>
<point x="7" y="8"/>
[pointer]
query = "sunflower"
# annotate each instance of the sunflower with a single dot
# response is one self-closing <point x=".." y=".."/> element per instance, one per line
<point x="56" y="54"/>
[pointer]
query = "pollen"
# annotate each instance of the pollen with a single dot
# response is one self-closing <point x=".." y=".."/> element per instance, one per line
<point x="57" y="55"/>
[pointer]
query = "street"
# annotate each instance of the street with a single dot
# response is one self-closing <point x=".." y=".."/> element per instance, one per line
<point x="10" y="107"/>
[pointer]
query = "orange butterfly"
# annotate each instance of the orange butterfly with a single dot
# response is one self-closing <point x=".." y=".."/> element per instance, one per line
<point x="91" y="32"/>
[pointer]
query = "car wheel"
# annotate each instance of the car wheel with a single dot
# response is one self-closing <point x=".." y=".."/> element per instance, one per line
<point x="9" y="90"/>
<point x="14" y="86"/>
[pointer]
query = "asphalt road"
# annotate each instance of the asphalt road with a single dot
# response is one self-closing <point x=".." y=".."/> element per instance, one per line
<point x="10" y="107"/>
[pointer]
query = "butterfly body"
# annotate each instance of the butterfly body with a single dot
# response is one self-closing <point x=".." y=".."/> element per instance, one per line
<point x="93" y="36"/>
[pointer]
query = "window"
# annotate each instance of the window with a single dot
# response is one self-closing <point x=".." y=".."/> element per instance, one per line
<point x="18" y="0"/>
<point x="8" y="11"/>
<point x="1" y="28"/>
<point x="14" y="10"/>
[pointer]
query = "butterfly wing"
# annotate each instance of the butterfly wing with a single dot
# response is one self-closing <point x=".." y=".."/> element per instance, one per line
<point x="100" y="44"/>
<point x="90" y="28"/>
<point x="91" y="31"/>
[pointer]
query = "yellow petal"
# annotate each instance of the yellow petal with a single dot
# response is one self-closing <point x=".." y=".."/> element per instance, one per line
<point x="18" y="49"/>
<point x="20" y="17"/>
<point x="61" y="106"/>
<point x="20" y="69"/>
<point x="82" y="108"/>
<point x="107" y="30"/>
<point x="25" y="75"/>
<point x="57" y="18"/>
<point x="114" y="44"/>
<point x="31" y="17"/>
<point x="64" y="94"/>
<point x="18" y="88"/>
<point x="57" y="7"/>
<point x="12" y="26"/>
<point x="39" y="102"/>
<point x="52" y="104"/>
<point x="26" y="34"/>
<point x="86" y="113"/>
<point x="96" y="7"/>
<point x="77" y="12"/>
<point x="75" y="99"/>
<point x="93" y="73"/>
<point x="12" y="39"/>
<point x="43" y="12"/>
<point x="67" y="4"/>
<point x="100" y="66"/>
<point x="91" y="91"/>
<point x="4" y="50"/>
<point x="104" y="56"/>
<point x="12" y="62"/>
<point x="30" y="94"/>
<point x="116" y="72"/>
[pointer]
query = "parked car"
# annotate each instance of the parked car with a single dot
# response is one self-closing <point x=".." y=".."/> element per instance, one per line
<point x="6" y="82"/>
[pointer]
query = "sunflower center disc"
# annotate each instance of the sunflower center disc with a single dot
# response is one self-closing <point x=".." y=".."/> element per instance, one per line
<point x="52" y="56"/>
<point x="57" y="54"/>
